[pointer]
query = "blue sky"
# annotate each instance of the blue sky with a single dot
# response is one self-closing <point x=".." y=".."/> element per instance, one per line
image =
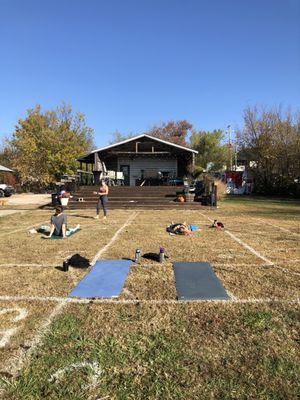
<point x="129" y="64"/>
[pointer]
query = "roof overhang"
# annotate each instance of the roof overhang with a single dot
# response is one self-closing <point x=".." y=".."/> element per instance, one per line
<point x="140" y="137"/>
<point x="4" y="169"/>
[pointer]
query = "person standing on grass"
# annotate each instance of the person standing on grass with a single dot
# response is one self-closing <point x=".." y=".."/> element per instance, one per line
<point x="103" y="199"/>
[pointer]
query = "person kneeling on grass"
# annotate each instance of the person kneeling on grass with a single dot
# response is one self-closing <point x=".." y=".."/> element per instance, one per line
<point x="58" y="225"/>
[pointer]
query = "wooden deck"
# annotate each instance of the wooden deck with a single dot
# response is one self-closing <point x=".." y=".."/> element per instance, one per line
<point x="127" y="197"/>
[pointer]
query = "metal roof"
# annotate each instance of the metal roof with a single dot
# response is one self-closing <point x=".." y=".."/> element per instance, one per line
<point x="4" y="169"/>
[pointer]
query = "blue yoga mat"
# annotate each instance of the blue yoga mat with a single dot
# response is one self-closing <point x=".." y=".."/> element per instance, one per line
<point x="106" y="279"/>
<point x="197" y="281"/>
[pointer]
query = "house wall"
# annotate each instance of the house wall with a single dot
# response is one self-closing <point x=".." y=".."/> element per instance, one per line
<point x="150" y="165"/>
<point x="111" y="163"/>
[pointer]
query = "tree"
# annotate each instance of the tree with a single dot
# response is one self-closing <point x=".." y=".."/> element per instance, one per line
<point x="172" y="131"/>
<point x="120" y="137"/>
<point x="213" y="155"/>
<point x="5" y="160"/>
<point x="45" y="145"/>
<point x="270" y="139"/>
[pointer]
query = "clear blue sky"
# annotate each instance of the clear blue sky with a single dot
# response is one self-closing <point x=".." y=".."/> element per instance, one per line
<point x="129" y="64"/>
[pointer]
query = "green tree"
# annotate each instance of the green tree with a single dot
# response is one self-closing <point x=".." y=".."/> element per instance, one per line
<point x="45" y="145"/>
<point x="213" y="154"/>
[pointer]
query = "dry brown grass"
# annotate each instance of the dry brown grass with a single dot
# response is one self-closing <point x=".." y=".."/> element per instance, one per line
<point x="221" y="190"/>
<point x="22" y="220"/>
<point x="36" y="281"/>
<point x="240" y="271"/>
<point x="23" y="248"/>
<point x="150" y="282"/>
<point x="153" y="350"/>
<point x="255" y="282"/>
<point x="280" y="247"/>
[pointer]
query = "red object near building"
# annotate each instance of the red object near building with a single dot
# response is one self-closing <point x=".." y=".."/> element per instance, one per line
<point x="236" y="177"/>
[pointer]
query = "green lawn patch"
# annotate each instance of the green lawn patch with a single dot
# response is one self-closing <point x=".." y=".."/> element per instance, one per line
<point x="201" y="351"/>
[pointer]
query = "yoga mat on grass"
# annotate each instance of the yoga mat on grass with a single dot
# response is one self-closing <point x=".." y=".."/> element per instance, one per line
<point x="54" y="237"/>
<point x="105" y="279"/>
<point x="69" y="233"/>
<point x="197" y="281"/>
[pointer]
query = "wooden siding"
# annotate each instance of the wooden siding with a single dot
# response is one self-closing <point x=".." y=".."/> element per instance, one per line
<point x="150" y="166"/>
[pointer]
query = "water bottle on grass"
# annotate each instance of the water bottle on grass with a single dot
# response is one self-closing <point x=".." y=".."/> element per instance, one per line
<point x="161" y="255"/>
<point x="137" y="257"/>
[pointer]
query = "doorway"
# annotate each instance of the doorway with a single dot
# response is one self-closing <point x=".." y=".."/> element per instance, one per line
<point x="126" y="171"/>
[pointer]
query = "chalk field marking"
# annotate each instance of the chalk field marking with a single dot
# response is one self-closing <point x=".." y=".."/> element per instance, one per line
<point x="232" y="297"/>
<point x="24" y="229"/>
<point x="8" y="333"/>
<point x="14" y="367"/>
<point x="245" y="245"/>
<point x="93" y="379"/>
<point x="141" y="265"/>
<point x="285" y="270"/>
<point x="278" y="227"/>
<point x="67" y="300"/>
<point x="22" y="313"/>
<point x="16" y="362"/>
<point x="114" y="238"/>
<point x="268" y="263"/>
<point x="27" y="265"/>
<point x="6" y="336"/>
<point x="273" y="225"/>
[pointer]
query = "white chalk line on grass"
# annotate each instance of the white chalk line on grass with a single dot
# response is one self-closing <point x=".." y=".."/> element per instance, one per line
<point x="24" y="229"/>
<point x="16" y="362"/>
<point x="93" y="379"/>
<point x="6" y="334"/>
<point x="28" y="265"/>
<point x="22" y="313"/>
<point x="143" y="265"/>
<point x="68" y="300"/>
<point x="268" y="262"/>
<point x="278" y="227"/>
<point x="246" y="246"/>
<point x="14" y="366"/>
<point x="114" y="238"/>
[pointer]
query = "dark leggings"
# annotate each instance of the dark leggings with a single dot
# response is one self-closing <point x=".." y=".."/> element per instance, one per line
<point x="102" y="202"/>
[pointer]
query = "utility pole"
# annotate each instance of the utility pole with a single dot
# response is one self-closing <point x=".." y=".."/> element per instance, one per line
<point x="230" y="145"/>
<point x="235" y="154"/>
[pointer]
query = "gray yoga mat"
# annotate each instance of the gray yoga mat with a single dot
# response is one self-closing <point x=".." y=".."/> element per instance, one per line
<point x="197" y="281"/>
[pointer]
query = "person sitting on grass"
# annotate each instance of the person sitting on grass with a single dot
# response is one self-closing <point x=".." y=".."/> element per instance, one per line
<point x="58" y="223"/>
<point x="58" y="226"/>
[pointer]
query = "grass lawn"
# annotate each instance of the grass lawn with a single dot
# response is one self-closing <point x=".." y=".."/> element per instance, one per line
<point x="146" y="345"/>
<point x="198" y="351"/>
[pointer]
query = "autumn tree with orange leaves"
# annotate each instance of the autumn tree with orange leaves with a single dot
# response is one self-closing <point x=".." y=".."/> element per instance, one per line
<point x="172" y="131"/>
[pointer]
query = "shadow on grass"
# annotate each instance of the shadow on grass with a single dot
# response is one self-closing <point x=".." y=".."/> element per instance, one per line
<point x="82" y="216"/>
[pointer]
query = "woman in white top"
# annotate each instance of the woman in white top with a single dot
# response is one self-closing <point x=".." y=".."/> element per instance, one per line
<point x="103" y="199"/>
